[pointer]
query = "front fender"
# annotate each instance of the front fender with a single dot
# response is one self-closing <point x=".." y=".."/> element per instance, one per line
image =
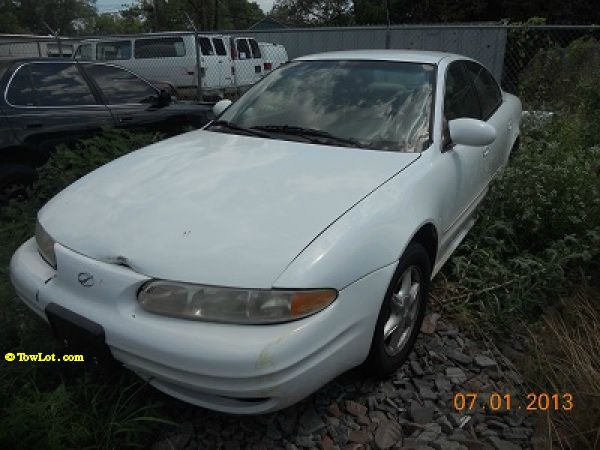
<point x="371" y="235"/>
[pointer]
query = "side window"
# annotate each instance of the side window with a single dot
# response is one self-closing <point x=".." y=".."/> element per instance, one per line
<point x="219" y="46"/>
<point x="168" y="47"/>
<point x="243" y="49"/>
<point x="205" y="46"/>
<point x="460" y="99"/>
<point x="84" y="51"/>
<point x="255" y="48"/>
<point x="113" y="50"/>
<point x="50" y="84"/>
<point x="487" y="89"/>
<point x="20" y="91"/>
<point x="120" y="86"/>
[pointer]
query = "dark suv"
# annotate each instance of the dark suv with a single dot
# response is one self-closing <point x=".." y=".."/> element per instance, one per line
<point x="44" y="102"/>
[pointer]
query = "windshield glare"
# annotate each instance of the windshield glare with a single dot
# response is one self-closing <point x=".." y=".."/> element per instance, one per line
<point x="383" y="105"/>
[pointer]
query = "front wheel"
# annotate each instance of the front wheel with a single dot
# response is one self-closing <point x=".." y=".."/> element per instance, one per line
<point x="401" y="313"/>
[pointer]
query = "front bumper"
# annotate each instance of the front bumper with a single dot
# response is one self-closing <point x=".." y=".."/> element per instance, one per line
<point x="232" y="368"/>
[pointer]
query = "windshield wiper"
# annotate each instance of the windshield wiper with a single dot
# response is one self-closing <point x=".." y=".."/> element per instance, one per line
<point x="232" y="126"/>
<point x="309" y="133"/>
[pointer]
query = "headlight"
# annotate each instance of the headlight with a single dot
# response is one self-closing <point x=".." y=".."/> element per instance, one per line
<point x="45" y="244"/>
<point x="232" y="305"/>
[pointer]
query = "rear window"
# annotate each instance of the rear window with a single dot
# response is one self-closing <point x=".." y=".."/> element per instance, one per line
<point x="20" y="90"/>
<point x="243" y="49"/>
<point x="84" y="51"/>
<point x="113" y="50"/>
<point x="3" y="67"/>
<point x="219" y="46"/>
<point x="255" y="48"/>
<point x="205" y="46"/>
<point x="49" y="84"/>
<point x="159" y="48"/>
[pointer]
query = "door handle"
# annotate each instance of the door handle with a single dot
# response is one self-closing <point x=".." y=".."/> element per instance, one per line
<point x="125" y="119"/>
<point x="486" y="151"/>
<point x="30" y="126"/>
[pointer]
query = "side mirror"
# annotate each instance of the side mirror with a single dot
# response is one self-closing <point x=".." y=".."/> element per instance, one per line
<point x="471" y="132"/>
<point x="163" y="98"/>
<point x="221" y="106"/>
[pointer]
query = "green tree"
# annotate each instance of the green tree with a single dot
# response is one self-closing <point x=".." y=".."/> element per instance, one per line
<point x="314" y="12"/>
<point x="9" y="22"/>
<point x="161" y="15"/>
<point x="66" y="17"/>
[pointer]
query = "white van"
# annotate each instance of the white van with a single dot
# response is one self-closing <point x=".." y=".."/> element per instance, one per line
<point x="226" y="63"/>
<point x="247" y="61"/>
<point x="274" y="55"/>
<point x="169" y="58"/>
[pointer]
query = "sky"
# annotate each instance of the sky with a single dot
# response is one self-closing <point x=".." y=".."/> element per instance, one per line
<point x="116" y="5"/>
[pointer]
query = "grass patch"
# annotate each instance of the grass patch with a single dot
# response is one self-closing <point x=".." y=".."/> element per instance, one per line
<point x="563" y="358"/>
<point x="538" y="233"/>
<point x="56" y="406"/>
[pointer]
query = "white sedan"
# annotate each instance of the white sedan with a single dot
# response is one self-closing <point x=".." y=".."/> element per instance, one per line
<point x="243" y="266"/>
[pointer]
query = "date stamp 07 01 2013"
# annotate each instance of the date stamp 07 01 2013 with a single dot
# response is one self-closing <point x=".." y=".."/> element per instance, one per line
<point x="469" y="401"/>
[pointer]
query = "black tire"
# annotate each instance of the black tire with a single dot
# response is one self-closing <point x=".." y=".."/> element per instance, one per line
<point x="15" y="181"/>
<point x="380" y="362"/>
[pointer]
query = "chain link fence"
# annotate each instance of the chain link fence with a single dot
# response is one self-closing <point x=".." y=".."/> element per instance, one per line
<point x="229" y="62"/>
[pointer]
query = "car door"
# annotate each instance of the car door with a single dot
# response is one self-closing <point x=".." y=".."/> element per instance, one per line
<point x="49" y="103"/>
<point x="463" y="166"/>
<point x="243" y="63"/>
<point x="130" y="99"/>
<point x="211" y="76"/>
<point x="257" y="60"/>
<point x="224" y="63"/>
<point x="490" y="99"/>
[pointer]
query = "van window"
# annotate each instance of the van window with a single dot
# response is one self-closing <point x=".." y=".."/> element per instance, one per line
<point x="243" y="49"/>
<point x="167" y="47"/>
<point x="219" y="46"/>
<point x="113" y="50"/>
<point x="205" y="46"/>
<point x="84" y="51"/>
<point x="255" y="49"/>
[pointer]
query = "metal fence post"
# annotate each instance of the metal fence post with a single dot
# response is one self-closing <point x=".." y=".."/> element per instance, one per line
<point x="198" y="65"/>
<point x="389" y="24"/>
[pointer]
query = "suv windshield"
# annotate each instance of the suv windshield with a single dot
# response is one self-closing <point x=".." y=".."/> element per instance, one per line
<point x="379" y="105"/>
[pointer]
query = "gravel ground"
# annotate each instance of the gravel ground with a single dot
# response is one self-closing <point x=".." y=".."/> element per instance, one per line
<point x="412" y="410"/>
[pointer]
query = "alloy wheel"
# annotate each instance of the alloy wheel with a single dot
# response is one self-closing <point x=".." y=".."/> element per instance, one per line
<point x="404" y="308"/>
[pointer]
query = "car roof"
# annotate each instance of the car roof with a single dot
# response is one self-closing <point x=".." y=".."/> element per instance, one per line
<point x="416" y="56"/>
<point x="35" y="59"/>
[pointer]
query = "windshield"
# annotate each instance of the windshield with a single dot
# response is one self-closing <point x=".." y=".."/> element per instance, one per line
<point x="380" y="105"/>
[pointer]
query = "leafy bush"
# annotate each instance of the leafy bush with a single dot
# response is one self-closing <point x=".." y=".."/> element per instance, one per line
<point x="62" y="406"/>
<point x="539" y="230"/>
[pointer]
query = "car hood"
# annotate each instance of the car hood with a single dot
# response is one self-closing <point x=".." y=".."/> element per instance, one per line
<point x="215" y="208"/>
